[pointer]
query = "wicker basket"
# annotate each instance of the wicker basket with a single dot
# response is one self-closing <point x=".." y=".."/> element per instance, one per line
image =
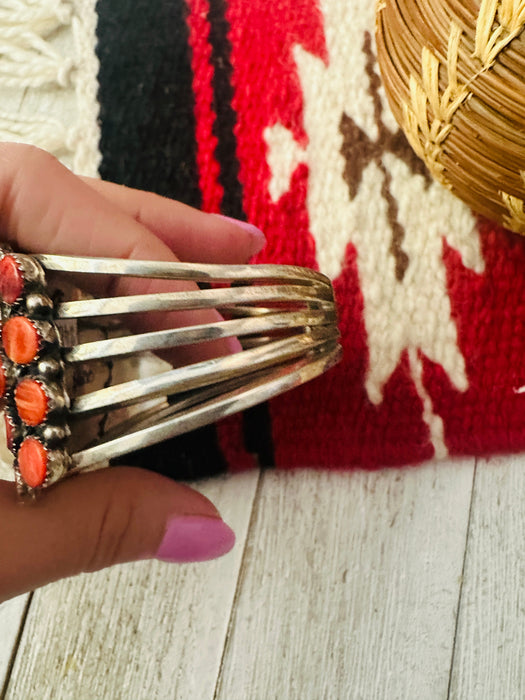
<point x="454" y="74"/>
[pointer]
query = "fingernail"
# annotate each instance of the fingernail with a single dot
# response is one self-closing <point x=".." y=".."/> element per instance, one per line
<point x="257" y="236"/>
<point x="192" y="538"/>
<point x="234" y="344"/>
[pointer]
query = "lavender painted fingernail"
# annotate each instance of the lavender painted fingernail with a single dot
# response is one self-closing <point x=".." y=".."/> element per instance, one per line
<point x="191" y="538"/>
<point x="257" y="236"/>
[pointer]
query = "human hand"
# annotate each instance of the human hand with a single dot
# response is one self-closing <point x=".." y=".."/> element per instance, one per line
<point x="95" y="520"/>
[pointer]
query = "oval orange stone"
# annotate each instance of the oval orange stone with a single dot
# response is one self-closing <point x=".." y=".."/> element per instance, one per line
<point x="32" y="462"/>
<point x="21" y="339"/>
<point x="31" y="401"/>
<point x="11" y="279"/>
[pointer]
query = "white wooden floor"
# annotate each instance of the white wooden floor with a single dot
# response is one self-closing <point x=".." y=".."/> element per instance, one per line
<point x="401" y="584"/>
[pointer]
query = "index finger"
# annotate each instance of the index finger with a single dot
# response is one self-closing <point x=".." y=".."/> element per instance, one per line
<point x="194" y="235"/>
<point x="44" y="208"/>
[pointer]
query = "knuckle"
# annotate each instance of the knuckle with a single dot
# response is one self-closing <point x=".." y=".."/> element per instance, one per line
<point x="24" y="154"/>
<point x="20" y="163"/>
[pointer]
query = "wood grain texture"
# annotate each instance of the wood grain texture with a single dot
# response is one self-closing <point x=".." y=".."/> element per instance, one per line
<point x="488" y="659"/>
<point x="351" y="586"/>
<point x="144" y="630"/>
<point x="11" y="614"/>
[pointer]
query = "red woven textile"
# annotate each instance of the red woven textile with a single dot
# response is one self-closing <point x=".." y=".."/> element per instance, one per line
<point x="430" y="298"/>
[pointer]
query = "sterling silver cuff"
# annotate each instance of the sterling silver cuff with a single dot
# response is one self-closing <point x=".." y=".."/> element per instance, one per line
<point x="284" y="316"/>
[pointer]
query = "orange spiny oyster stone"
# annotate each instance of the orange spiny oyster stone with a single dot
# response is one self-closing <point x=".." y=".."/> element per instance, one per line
<point x="11" y="279"/>
<point x="31" y="401"/>
<point x="21" y="339"/>
<point x="32" y="462"/>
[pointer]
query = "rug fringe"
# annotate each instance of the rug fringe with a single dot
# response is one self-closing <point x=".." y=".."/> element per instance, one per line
<point x="33" y="60"/>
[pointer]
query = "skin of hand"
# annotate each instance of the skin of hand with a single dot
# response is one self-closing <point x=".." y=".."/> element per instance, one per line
<point x="95" y="520"/>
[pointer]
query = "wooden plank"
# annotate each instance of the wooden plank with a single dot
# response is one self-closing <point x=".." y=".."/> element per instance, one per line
<point x="11" y="615"/>
<point x="144" y="630"/>
<point x="488" y="659"/>
<point x="351" y="586"/>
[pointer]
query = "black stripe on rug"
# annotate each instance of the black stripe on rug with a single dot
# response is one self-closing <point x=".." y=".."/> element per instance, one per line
<point x="148" y="141"/>
<point x="225" y="119"/>
<point x="146" y="97"/>
<point x="257" y="425"/>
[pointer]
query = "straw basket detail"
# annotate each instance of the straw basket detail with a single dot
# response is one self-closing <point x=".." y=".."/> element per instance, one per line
<point x="454" y="74"/>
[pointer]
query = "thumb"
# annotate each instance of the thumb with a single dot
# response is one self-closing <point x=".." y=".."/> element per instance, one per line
<point x="95" y="520"/>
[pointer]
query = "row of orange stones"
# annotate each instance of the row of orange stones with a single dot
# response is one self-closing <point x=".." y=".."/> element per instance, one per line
<point x="21" y="343"/>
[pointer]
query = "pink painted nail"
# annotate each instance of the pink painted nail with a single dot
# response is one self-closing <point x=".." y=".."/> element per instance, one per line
<point x="258" y="237"/>
<point x="234" y="344"/>
<point x="195" y="538"/>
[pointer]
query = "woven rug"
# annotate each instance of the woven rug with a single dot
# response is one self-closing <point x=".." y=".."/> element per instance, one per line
<point x="274" y="112"/>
